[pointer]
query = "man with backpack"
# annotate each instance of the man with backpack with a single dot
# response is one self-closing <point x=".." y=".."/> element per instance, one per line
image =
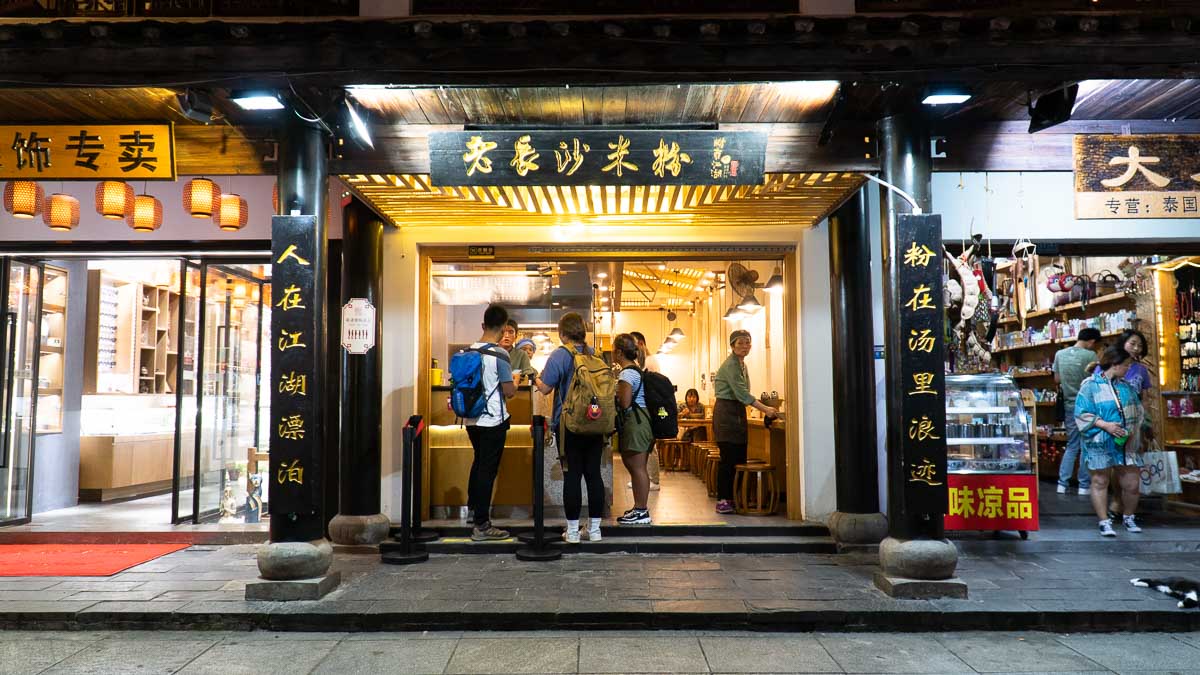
<point x="482" y="381"/>
<point x="584" y="415"/>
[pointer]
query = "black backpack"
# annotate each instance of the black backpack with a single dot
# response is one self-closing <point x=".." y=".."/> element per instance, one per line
<point x="660" y="404"/>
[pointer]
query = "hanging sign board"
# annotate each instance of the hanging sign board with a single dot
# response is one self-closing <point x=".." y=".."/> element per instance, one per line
<point x="609" y="157"/>
<point x="1131" y="177"/>
<point x="87" y="151"/>
<point x="917" y="301"/>
<point x="296" y="382"/>
<point x="992" y="502"/>
<point x="358" y="326"/>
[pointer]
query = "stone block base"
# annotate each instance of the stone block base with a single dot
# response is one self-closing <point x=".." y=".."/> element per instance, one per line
<point x="921" y="589"/>
<point x="359" y="530"/>
<point x="297" y="589"/>
<point x="858" y="530"/>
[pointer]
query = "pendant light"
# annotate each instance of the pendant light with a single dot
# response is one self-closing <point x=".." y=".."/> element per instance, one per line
<point x="749" y="304"/>
<point x="114" y="199"/>
<point x="676" y="334"/>
<point x="61" y="213"/>
<point x="734" y="314"/>
<point x="23" y="198"/>
<point x="201" y="197"/>
<point x="775" y="283"/>
<point x="233" y="213"/>
<point x="146" y="214"/>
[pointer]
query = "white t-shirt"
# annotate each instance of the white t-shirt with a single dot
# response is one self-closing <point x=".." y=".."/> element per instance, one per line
<point x="493" y="370"/>
<point x="651" y="364"/>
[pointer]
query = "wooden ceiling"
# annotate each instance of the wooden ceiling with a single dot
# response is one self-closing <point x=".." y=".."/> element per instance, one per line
<point x="802" y="199"/>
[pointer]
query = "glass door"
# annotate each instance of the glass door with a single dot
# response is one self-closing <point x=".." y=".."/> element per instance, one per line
<point x="20" y="297"/>
<point x="183" y="504"/>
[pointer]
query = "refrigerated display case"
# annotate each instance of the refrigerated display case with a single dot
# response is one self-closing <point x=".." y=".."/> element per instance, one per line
<point x="991" y="463"/>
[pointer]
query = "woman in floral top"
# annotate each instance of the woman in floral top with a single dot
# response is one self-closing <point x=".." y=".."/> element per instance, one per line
<point x="1112" y="423"/>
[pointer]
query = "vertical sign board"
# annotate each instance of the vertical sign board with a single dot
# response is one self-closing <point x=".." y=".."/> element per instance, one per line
<point x="295" y="382"/>
<point x="917" y="300"/>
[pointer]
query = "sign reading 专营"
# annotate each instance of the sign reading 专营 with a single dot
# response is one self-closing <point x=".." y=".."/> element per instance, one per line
<point x="87" y="151"/>
<point x="358" y="326"/>
<point x="918" y="294"/>
<point x="992" y="502"/>
<point x="608" y="157"/>
<point x="1147" y="176"/>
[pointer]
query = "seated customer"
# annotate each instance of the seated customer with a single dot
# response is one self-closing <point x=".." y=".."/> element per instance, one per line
<point x="693" y="409"/>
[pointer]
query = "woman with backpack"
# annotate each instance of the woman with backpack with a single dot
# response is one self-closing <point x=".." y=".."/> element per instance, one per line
<point x="583" y="416"/>
<point x="637" y="436"/>
<point x="732" y="389"/>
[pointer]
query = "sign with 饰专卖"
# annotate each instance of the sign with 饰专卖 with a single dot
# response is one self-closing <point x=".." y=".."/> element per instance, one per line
<point x="1130" y="177"/>
<point x="992" y="502"/>
<point x="87" y="151"/>
<point x="358" y="326"/>
<point x="591" y="157"/>
<point x="917" y="300"/>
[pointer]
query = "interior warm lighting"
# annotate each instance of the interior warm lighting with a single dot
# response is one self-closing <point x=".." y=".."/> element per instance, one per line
<point x="233" y="214"/>
<point x="601" y="275"/>
<point x="23" y="198"/>
<point x="734" y="314"/>
<point x="676" y="334"/>
<point x="775" y="283"/>
<point x="1158" y="315"/>
<point x="61" y="213"/>
<point x="146" y="214"/>
<point x="201" y="197"/>
<point x="114" y="199"/>
<point x="749" y="304"/>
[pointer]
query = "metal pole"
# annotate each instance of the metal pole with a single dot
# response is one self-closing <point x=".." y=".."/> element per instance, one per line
<point x="405" y="555"/>
<point x="538" y="550"/>
<point x="418" y="534"/>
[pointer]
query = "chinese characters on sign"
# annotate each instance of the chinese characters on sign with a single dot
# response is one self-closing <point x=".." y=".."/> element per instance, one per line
<point x="918" y="307"/>
<point x="295" y="339"/>
<point x="992" y="502"/>
<point x="87" y="151"/>
<point x="1146" y="176"/>
<point x="609" y="157"/>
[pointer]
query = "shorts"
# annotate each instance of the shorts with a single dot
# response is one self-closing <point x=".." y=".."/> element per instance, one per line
<point x="636" y="434"/>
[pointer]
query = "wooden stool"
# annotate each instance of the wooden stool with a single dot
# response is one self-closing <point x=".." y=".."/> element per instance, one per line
<point x="700" y="452"/>
<point x="671" y="455"/>
<point x="763" y="499"/>
<point x="712" y="465"/>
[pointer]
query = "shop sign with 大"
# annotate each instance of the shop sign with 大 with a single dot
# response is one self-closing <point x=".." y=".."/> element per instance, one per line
<point x="608" y="157"/>
<point x="87" y="151"/>
<point x="1131" y="177"/>
<point x="918" y="295"/>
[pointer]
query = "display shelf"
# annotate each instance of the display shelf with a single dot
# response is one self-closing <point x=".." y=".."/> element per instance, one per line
<point x="1001" y="431"/>
<point x="982" y="441"/>
<point x="983" y="410"/>
<point x="51" y="351"/>
<point x="1055" y="342"/>
<point x="1035" y="373"/>
<point x="1180" y="393"/>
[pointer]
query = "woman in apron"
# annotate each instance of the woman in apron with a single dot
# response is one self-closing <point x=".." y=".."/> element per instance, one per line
<point x="732" y="388"/>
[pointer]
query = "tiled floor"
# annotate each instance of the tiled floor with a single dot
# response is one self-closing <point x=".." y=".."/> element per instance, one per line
<point x="264" y="653"/>
<point x="149" y="514"/>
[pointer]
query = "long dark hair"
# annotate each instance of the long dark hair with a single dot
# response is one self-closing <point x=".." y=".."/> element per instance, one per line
<point x="1114" y="356"/>
<point x="691" y="392"/>
<point x="1130" y="333"/>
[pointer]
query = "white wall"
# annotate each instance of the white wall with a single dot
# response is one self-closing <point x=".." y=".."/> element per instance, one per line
<point x="1040" y="206"/>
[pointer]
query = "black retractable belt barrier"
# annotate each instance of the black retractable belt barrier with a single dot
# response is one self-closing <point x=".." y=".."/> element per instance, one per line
<point x="538" y="549"/>
<point x="405" y="553"/>
<point x="418" y="534"/>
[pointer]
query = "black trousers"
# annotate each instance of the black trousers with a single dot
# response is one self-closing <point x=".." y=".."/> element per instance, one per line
<point x="732" y="454"/>
<point x="583" y="455"/>
<point x="488" y="443"/>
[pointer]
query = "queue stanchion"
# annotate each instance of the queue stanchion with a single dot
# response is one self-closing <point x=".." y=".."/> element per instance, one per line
<point x="418" y="534"/>
<point x="538" y="548"/>
<point x="405" y="553"/>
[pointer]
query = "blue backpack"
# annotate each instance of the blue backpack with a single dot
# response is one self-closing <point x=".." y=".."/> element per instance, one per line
<point x="467" y="397"/>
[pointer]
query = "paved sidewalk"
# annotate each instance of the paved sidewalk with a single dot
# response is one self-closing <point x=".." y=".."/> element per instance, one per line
<point x="264" y="653"/>
<point x="203" y="588"/>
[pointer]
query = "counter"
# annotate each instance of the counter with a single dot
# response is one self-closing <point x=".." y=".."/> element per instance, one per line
<point x="123" y="466"/>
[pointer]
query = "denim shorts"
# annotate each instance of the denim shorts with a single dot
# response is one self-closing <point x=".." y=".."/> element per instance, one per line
<point x="1101" y="458"/>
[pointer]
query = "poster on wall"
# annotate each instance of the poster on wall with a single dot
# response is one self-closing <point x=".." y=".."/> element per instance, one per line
<point x="1132" y="177"/>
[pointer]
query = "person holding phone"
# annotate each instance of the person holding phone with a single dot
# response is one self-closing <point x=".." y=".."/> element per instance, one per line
<point x="1112" y="424"/>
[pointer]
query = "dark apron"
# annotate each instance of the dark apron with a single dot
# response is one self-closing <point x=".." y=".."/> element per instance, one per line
<point x="729" y="421"/>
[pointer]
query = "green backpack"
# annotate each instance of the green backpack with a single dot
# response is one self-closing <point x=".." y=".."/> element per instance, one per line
<point x="590" y="405"/>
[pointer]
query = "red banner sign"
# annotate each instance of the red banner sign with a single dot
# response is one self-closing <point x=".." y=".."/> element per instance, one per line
<point x="992" y="502"/>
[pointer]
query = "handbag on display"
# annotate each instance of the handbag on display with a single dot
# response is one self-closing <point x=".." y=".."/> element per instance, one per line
<point x="1106" y="282"/>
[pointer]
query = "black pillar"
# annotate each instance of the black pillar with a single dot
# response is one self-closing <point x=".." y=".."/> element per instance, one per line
<point x="298" y="548"/>
<point x="853" y="359"/>
<point x="362" y="391"/>
<point x="905" y="163"/>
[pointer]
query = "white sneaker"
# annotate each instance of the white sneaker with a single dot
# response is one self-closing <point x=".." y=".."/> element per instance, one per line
<point x="1106" y="529"/>
<point x="655" y="487"/>
<point x="593" y="531"/>
<point x="571" y="535"/>
<point x="1131" y="524"/>
<point x="1062" y="489"/>
<point x="1085" y="491"/>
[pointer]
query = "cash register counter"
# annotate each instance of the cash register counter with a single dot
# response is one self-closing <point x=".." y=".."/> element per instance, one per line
<point x="450" y="456"/>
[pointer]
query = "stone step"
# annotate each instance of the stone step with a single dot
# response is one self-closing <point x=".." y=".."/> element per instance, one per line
<point x="722" y="531"/>
<point x="636" y="544"/>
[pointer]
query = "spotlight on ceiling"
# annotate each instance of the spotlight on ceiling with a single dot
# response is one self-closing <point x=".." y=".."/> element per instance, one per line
<point x="196" y="105"/>
<point x="358" y="126"/>
<point x="256" y="100"/>
<point x="1052" y="108"/>
<point x="946" y="96"/>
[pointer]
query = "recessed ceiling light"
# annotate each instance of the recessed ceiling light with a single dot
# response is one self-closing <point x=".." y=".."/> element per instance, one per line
<point x="256" y="100"/>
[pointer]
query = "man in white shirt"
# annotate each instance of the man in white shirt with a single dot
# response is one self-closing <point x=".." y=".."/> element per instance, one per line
<point x="489" y="431"/>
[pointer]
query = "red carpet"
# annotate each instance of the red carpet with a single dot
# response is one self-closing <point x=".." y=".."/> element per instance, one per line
<point x="77" y="560"/>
